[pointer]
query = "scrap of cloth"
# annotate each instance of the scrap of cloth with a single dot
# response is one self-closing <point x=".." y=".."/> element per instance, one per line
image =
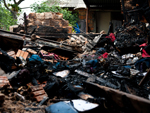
<point x="111" y="36"/>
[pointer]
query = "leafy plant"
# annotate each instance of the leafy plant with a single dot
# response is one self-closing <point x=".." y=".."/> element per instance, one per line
<point x="6" y="18"/>
<point x="67" y="15"/>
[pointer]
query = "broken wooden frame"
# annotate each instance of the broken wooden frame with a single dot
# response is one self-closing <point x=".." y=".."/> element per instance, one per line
<point x="10" y="40"/>
<point x="145" y="78"/>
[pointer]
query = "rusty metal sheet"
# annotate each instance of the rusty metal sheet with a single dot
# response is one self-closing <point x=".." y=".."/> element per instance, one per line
<point x="139" y="104"/>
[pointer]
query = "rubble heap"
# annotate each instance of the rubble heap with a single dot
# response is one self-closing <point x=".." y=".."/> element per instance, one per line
<point x="35" y="77"/>
<point x="48" y="22"/>
<point x="129" y="38"/>
<point x="77" y="73"/>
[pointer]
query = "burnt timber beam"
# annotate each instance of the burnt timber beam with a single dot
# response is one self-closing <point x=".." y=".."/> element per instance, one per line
<point x="145" y="78"/>
<point x="87" y="11"/>
<point x="19" y="37"/>
<point x="9" y="40"/>
<point x="25" y="22"/>
<point x="139" y="104"/>
<point x="124" y="12"/>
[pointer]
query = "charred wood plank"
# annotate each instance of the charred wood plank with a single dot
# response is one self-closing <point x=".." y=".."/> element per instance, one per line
<point x="92" y="43"/>
<point x="25" y="22"/>
<point x="97" y="78"/>
<point x="9" y="40"/>
<point x="122" y="99"/>
<point x="55" y="45"/>
<point x="145" y="78"/>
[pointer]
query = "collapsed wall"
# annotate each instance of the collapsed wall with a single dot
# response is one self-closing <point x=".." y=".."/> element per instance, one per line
<point x="44" y="24"/>
<point x="48" y="22"/>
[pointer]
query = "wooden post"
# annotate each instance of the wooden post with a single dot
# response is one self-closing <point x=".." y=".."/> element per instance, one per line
<point x="87" y="20"/>
<point x="25" y="22"/>
<point x="124" y="11"/>
<point x="145" y="78"/>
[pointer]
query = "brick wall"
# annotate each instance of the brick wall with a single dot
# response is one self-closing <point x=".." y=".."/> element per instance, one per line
<point x="82" y="15"/>
<point x="90" y="21"/>
<point x="54" y="21"/>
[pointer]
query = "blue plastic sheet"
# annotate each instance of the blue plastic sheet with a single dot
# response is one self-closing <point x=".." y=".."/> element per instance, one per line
<point x="77" y="29"/>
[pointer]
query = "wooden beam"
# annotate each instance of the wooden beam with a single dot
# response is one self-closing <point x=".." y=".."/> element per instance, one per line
<point x="87" y="20"/>
<point x="145" y="78"/>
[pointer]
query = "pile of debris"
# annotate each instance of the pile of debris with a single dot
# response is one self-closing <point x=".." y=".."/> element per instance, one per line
<point x="43" y="24"/>
<point x="82" y="73"/>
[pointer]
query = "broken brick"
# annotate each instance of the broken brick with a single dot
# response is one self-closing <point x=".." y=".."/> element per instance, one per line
<point x="22" y="54"/>
<point x="37" y="92"/>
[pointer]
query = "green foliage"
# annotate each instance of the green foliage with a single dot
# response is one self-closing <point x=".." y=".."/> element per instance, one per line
<point x="67" y="15"/>
<point x="6" y="18"/>
<point x="14" y="7"/>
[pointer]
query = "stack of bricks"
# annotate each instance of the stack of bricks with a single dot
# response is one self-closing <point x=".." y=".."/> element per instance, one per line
<point x="37" y="93"/>
<point x="48" y="22"/>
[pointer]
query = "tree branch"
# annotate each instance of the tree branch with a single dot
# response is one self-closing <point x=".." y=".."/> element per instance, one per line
<point x="7" y="6"/>
<point x="13" y="12"/>
<point x="19" y="2"/>
<point x="15" y="2"/>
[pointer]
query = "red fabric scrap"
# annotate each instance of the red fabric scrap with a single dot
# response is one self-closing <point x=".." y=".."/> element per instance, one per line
<point x="145" y="54"/>
<point x="143" y="45"/>
<point x="111" y="36"/>
<point x="105" y="55"/>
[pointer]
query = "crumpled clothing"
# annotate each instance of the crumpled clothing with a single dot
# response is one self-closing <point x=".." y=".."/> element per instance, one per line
<point x="142" y="64"/>
<point x="55" y="56"/>
<point x="24" y="76"/>
<point x="105" y="55"/>
<point x="147" y="49"/>
<point x="143" y="45"/>
<point x="6" y="61"/>
<point x="101" y="50"/>
<point x="111" y="36"/>
<point x="144" y="53"/>
<point x="92" y="63"/>
<point x="35" y="58"/>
